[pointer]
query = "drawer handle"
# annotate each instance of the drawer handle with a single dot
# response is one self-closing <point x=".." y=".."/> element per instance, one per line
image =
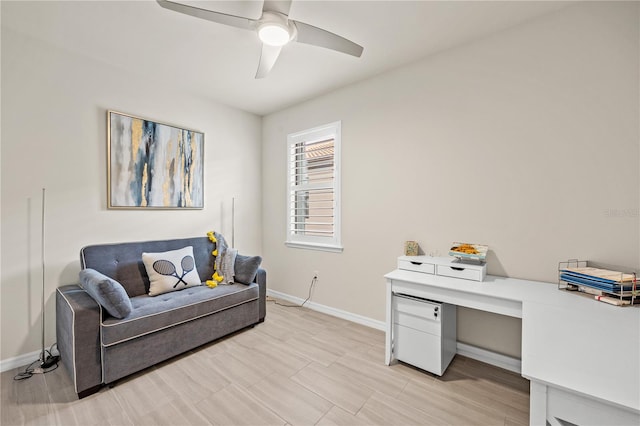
<point x="456" y="269"/>
<point x="415" y="263"/>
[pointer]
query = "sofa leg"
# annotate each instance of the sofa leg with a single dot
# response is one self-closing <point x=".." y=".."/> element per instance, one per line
<point x="89" y="391"/>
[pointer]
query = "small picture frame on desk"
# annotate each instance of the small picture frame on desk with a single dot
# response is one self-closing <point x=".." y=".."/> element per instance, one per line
<point x="411" y="248"/>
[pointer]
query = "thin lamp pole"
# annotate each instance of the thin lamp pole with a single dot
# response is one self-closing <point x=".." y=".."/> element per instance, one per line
<point x="42" y="355"/>
<point x="233" y="222"/>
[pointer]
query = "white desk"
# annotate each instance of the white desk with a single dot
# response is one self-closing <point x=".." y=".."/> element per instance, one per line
<point x="581" y="356"/>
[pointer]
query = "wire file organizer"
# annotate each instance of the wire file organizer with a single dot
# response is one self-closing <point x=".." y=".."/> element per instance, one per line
<point x="613" y="287"/>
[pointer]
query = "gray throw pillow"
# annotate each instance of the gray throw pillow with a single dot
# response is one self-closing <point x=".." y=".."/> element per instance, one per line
<point x="246" y="268"/>
<point x="107" y="292"/>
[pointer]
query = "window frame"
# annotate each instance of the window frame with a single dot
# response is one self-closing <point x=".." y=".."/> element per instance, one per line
<point x="316" y="134"/>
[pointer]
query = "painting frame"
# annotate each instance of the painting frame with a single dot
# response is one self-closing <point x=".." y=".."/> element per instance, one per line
<point x="153" y="165"/>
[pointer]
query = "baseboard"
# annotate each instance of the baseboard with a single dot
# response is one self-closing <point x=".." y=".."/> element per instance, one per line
<point x="19" y="361"/>
<point x="490" y="357"/>
<point x="479" y="354"/>
<point x="358" y="319"/>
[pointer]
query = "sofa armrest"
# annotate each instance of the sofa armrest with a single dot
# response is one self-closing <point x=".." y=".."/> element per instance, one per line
<point x="261" y="280"/>
<point x="78" y="336"/>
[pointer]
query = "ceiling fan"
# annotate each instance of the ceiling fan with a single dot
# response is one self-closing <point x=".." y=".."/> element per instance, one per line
<point x="274" y="29"/>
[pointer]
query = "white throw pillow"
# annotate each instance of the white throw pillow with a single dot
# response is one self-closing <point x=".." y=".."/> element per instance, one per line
<point x="170" y="271"/>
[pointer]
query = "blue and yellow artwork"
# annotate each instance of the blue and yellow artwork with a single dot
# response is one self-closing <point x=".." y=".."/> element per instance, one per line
<point x="153" y="165"/>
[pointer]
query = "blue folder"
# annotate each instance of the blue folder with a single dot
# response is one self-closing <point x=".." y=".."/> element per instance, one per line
<point x="599" y="283"/>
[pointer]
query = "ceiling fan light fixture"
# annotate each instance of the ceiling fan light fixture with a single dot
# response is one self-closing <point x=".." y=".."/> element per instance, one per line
<point x="274" y="34"/>
<point x="274" y="30"/>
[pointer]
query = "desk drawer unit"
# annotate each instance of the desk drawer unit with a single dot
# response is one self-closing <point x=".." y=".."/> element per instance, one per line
<point x="424" y="332"/>
<point x="443" y="266"/>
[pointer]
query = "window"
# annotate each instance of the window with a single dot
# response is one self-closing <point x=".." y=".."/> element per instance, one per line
<point x="313" y="210"/>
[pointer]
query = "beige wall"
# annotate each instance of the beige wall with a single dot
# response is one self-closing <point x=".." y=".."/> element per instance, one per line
<point x="527" y="140"/>
<point x="54" y="135"/>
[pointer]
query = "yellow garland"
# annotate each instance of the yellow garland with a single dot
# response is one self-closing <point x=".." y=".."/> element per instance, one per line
<point x="216" y="277"/>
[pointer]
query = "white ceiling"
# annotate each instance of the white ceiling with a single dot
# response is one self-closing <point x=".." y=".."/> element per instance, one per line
<point x="220" y="62"/>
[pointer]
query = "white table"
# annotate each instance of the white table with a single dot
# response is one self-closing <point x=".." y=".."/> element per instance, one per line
<point x="582" y="357"/>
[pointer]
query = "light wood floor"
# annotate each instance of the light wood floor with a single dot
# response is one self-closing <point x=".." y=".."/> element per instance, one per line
<point x="299" y="367"/>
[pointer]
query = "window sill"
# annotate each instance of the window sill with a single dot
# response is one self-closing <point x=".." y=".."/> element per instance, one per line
<point x="314" y="246"/>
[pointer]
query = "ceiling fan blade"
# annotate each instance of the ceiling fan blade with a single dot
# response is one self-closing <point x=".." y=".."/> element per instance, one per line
<point x="280" y="6"/>
<point x="309" y="34"/>
<point x="209" y="15"/>
<point x="268" y="59"/>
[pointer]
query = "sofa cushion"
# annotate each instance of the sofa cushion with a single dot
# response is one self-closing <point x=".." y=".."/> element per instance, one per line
<point x="107" y="292"/>
<point x="246" y="268"/>
<point x="151" y="314"/>
<point x="171" y="270"/>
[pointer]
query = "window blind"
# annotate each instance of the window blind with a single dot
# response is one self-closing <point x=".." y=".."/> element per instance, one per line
<point x="312" y="192"/>
<point x="313" y="188"/>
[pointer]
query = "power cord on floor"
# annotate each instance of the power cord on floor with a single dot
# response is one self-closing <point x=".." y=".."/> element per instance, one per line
<point x="313" y="283"/>
<point x="47" y="365"/>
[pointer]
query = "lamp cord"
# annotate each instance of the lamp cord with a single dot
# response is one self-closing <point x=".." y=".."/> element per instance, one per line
<point x="313" y="283"/>
<point x="30" y="370"/>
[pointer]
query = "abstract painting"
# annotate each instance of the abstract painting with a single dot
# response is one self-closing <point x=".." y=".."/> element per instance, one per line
<point x="153" y="165"/>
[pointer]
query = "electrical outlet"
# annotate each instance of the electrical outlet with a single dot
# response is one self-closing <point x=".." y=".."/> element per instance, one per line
<point x="316" y="275"/>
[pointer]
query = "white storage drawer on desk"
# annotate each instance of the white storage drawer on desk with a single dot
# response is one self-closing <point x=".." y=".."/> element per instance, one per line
<point x="466" y="272"/>
<point x="423" y="264"/>
<point x="424" y="332"/>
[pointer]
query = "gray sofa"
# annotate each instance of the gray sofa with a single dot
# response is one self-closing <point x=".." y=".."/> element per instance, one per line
<point x="97" y="348"/>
